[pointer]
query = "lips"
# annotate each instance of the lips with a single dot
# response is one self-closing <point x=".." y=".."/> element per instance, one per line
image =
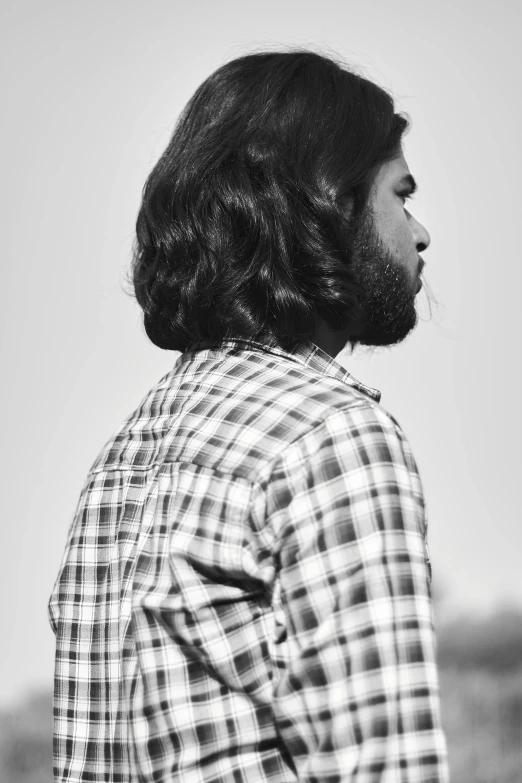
<point x="421" y="266"/>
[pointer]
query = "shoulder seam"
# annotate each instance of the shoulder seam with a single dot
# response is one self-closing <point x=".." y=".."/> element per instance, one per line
<point x="364" y="403"/>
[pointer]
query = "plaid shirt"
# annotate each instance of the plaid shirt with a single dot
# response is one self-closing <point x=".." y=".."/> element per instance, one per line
<point x="244" y="595"/>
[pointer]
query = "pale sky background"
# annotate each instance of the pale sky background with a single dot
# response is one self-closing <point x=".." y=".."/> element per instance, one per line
<point x="92" y="91"/>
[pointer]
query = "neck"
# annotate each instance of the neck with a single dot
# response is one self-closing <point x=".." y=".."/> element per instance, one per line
<point x="329" y="341"/>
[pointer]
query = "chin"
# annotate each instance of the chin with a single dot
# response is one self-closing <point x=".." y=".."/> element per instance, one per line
<point x="389" y="333"/>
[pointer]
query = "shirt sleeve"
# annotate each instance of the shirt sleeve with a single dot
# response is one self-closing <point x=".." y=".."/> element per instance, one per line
<point x="356" y="694"/>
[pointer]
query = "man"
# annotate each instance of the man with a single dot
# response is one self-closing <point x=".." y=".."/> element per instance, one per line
<point x="245" y="592"/>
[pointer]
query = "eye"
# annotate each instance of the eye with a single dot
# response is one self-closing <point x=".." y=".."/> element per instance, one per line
<point x="405" y="196"/>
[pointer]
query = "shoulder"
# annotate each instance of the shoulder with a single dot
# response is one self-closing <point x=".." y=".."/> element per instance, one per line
<point x="352" y="431"/>
<point x="238" y="415"/>
<point x="294" y="409"/>
<point x="356" y="455"/>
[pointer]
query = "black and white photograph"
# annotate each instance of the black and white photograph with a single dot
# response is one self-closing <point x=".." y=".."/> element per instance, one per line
<point x="262" y="392"/>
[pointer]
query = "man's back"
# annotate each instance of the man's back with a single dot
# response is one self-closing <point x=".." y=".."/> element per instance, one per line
<point x="245" y="590"/>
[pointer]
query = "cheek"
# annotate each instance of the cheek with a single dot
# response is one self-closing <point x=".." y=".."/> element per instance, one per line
<point x="395" y="232"/>
<point x="402" y="237"/>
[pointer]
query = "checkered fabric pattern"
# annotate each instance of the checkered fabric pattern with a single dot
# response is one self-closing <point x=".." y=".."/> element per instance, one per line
<point x="245" y="591"/>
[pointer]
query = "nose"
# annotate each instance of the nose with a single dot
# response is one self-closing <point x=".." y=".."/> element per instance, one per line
<point x="420" y="235"/>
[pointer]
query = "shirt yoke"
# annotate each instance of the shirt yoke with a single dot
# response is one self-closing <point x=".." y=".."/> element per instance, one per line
<point x="233" y="414"/>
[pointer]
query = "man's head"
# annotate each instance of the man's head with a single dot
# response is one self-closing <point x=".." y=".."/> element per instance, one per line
<point x="278" y="205"/>
<point x="386" y="256"/>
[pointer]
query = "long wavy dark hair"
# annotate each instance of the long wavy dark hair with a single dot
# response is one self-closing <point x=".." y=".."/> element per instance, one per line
<point x="244" y="227"/>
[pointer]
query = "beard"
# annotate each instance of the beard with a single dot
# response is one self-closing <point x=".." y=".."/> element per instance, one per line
<point x="387" y="299"/>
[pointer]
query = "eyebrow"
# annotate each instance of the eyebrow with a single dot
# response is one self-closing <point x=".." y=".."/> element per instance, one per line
<point x="409" y="181"/>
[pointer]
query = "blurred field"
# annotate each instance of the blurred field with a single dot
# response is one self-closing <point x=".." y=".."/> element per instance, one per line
<point x="481" y="687"/>
<point x="26" y="741"/>
<point x="482" y="713"/>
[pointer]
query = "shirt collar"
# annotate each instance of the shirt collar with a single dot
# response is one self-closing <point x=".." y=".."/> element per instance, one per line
<point x="307" y="354"/>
